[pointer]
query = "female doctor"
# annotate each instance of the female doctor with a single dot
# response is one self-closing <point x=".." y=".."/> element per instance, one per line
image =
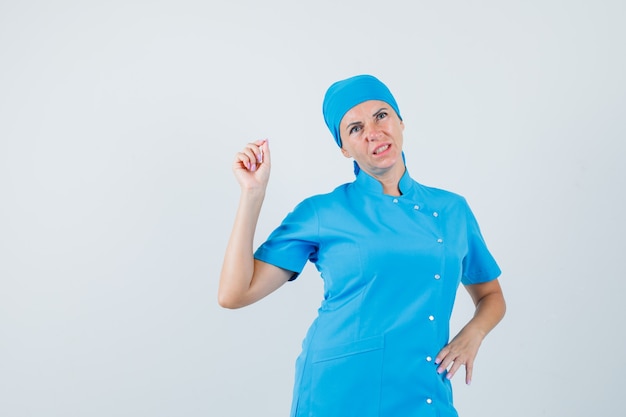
<point x="391" y="252"/>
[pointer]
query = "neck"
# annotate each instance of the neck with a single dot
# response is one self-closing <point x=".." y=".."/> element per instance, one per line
<point x="390" y="180"/>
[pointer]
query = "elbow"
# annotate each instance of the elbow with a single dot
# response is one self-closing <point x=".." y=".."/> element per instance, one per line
<point x="498" y="305"/>
<point x="228" y="301"/>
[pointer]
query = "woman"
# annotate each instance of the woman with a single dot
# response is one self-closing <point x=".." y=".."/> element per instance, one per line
<point x="392" y="253"/>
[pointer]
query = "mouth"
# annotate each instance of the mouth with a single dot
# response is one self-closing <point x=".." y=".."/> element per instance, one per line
<point x="381" y="149"/>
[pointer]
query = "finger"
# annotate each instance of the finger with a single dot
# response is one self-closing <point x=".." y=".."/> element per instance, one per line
<point x="444" y="358"/>
<point x="258" y="149"/>
<point x="261" y="152"/>
<point x="455" y="367"/>
<point x="251" y="155"/>
<point x="244" y="160"/>
<point x="469" y="369"/>
<point x="445" y="363"/>
<point x="265" y="151"/>
<point x="441" y="355"/>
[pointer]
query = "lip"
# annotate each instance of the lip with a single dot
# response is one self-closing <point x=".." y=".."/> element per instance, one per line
<point x="383" y="152"/>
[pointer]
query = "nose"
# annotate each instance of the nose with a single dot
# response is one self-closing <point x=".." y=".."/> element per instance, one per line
<point x="372" y="132"/>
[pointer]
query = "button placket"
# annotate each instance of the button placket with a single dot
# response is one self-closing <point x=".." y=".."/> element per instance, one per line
<point x="436" y="277"/>
<point x="436" y="216"/>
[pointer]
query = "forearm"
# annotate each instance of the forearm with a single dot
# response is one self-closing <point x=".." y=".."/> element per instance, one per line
<point x="238" y="266"/>
<point x="489" y="311"/>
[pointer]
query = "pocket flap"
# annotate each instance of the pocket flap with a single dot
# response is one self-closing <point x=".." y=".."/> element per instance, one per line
<point x="347" y="349"/>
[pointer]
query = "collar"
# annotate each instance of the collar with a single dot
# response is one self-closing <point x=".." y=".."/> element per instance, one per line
<point x="371" y="185"/>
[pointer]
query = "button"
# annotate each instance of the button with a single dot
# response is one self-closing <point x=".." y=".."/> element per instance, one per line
<point x="395" y="200"/>
<point x="439" y="240"/>
<point x="435" y="214"/>
<point x="429" y="359"/>
<point x="431" y="318"/>
<point x="416" y="207"/>
<point x="437" y="276"/>
<point x="429" y="401"/>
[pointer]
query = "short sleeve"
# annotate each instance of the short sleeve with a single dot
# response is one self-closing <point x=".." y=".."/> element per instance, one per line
<point x="478" y="265"/>
<point x="294" y="242"/>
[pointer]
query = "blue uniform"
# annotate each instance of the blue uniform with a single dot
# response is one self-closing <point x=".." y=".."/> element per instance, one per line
<point x="391" y="268"/>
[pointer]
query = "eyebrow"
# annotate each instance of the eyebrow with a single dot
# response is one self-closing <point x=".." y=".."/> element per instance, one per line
<point x="379" y="110"/>
<point x="352" y="124"/>
<point x="373" y="115"/>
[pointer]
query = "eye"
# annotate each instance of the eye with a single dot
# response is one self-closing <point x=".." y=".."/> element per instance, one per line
<point x="354" y="129"/>
<point x="381" y="115"/>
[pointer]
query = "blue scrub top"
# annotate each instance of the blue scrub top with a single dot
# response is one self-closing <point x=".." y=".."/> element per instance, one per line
<point x="391" y="268"/>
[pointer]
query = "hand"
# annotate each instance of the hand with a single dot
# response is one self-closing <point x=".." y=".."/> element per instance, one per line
<point x="462" y="350"/>
<point x="252" y="165"/>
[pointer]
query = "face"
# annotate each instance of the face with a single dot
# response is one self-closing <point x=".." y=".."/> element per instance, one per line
<point x="371" y="133"/>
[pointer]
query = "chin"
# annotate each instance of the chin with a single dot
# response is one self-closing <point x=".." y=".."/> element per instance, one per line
<point x="384" y="167"/>
<point x="390" y="162"/>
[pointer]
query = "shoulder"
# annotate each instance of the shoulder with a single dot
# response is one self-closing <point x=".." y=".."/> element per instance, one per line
<point x="327" y="200"/>
<point x="311" y="208"/>
<point x="439" y="195"/>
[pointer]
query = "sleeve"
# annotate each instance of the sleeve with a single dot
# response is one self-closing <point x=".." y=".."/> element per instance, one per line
<point x="294" y="242"/>
<point x="478" y="265"/>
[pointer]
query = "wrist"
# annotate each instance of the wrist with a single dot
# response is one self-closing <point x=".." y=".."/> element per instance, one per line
<point x="252" y="195"/>
<point x="475" y="328"/>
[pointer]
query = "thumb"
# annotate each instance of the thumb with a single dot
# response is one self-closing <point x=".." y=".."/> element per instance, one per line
<point x="265" y="151"/>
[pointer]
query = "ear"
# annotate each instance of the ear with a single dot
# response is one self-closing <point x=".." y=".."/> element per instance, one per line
<point x="402" y="124"/>
<point x="345" y="153"/>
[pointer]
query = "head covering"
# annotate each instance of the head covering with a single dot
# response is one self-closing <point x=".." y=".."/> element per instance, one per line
<point x="345" y="94"/>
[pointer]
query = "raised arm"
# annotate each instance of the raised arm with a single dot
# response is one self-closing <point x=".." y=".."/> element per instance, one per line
<point x="245" y="280"/>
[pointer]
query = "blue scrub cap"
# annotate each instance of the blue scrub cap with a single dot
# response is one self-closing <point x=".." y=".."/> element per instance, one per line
<point x="345" y="94"/>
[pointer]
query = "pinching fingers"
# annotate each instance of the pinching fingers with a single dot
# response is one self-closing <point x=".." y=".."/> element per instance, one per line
<point x="252" y="155"/>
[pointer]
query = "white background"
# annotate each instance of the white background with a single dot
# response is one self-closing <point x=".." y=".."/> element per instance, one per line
<point x="119" y="121"/>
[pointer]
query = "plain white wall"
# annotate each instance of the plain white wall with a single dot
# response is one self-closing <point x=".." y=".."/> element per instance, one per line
<point x="118" y="125"/>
